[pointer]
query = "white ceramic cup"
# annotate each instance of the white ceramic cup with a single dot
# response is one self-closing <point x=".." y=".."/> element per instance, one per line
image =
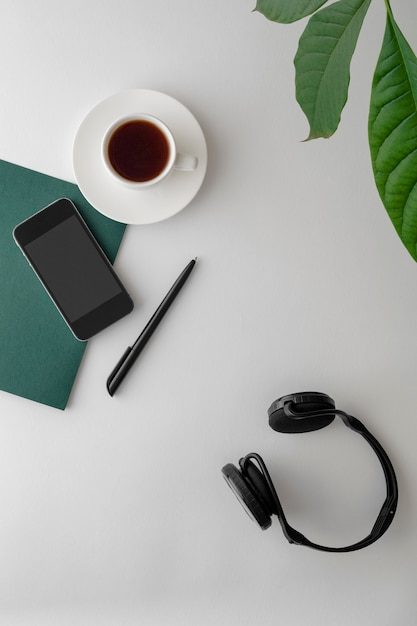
<point x="145" y="150"/>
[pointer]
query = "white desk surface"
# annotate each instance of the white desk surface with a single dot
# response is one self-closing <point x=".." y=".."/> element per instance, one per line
<point x="114" y="512"/>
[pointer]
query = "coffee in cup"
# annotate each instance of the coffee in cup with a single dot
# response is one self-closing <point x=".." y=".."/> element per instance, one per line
<point x="140" y="151"/>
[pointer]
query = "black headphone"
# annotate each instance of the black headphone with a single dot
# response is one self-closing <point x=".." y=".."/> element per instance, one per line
<point x="300" y="413"/>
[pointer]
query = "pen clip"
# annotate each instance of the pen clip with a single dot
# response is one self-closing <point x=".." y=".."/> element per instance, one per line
<point x="117" y="367"/>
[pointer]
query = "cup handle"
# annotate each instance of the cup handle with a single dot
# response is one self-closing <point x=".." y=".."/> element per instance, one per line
<point x="185" y="162"/>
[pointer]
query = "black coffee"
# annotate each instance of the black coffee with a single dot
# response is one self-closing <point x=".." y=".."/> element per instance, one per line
<point x="138" y="150"/>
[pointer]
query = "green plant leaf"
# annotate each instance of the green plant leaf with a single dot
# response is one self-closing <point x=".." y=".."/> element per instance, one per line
<point x="287" y="11"/>
<point x="393" y="132"/>
<point x="323" y="61"/>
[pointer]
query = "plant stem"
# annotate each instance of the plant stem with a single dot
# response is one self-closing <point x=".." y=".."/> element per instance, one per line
<point x="388" y="7"/>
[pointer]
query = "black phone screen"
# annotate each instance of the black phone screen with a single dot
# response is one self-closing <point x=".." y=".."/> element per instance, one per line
<point x="72" y="269"/>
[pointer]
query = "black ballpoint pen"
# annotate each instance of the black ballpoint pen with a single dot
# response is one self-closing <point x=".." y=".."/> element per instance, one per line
<point x="132" y="353"/>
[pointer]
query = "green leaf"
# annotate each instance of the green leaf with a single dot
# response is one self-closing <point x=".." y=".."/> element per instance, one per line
<point x="393" y="132"/>
<point x="287" y="11"/>
<point x="323" y="61"/>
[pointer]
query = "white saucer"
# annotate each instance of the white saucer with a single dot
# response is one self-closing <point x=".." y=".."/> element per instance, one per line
<point x="143" y="206"/>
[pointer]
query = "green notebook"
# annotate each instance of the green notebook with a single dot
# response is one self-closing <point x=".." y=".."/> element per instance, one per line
<point x="39" y="356"/>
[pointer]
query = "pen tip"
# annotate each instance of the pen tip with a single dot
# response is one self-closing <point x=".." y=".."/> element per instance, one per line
<point x="195" y="258"/>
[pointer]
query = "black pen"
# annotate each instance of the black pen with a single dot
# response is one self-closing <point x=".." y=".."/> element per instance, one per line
<point x="132" y="353"/>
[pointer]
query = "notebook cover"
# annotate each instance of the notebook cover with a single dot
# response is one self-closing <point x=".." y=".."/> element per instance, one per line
<point x="39" y="356"/>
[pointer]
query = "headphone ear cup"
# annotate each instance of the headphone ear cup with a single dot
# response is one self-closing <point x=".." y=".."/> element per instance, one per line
<point x="260" y="486"/>
<point x="247" y="495"/>
<point x="281" y="420"/>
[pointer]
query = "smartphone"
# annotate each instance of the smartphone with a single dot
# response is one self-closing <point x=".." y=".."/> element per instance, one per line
<point x="73" y="268"/>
